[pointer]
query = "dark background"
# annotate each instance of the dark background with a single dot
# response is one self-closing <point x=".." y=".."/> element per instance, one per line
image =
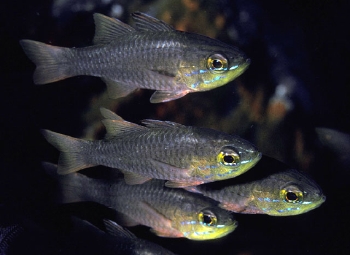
<point x="26" y="108"/>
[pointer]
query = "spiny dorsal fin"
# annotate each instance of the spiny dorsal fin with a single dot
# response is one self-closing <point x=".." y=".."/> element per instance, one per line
<point x="116" y="230"/>
<point x="148" y="23"/>
<point x="108" y="29"/>
<point x="160" y="124"/>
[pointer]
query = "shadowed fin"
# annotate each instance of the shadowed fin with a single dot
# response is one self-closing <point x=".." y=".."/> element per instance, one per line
<point x="163" y="167"/>
<point x="241" y="208"/>
<point x="108" y="29"/>
<point x="108" y="114"/>
<point x="174" y="233"/>
<point x="70" y="186"/>
<point x="125" y="220"/>
<point x="72" y="158"/>
<point x="164" y="96"/>
<point x="116" y="128"/>
<point x="154" y="216"/>
<point x="133" y="179"/>
<point x="148" y="23"/>
<point x="51" y="63"/>
<point x="116" y="230"/>
<point x="118" y="89"/>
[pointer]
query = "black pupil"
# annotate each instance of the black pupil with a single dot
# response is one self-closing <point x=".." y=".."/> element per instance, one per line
<point x="292" y="196"/>
<point x="228" y="159"/>
<point x="207" y="219"/>
<point x="217" y="63"/>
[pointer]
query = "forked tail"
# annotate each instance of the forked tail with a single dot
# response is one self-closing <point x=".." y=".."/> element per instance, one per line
<point x="52" y="63"/>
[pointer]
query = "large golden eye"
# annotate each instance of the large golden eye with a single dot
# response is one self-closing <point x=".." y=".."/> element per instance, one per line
<point x="207" y="218"/>
<point x="228" y="156"/>
<point x="217" y="63"/>
<point x="292" y="194"/>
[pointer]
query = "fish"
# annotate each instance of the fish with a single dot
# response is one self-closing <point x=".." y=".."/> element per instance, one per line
<point x="85" y="238"/>
<point x="183" y="155"/>
<point x="153" y="55"/>
<point x="168" y="212"/>
<point x="20" y="233"/>
<point x="127" y="243"/>
<point x="286" y="193"/>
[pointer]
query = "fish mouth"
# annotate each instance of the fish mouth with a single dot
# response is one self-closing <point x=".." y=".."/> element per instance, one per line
<point x="240" y="65"/>
<point x="254" y="158"/>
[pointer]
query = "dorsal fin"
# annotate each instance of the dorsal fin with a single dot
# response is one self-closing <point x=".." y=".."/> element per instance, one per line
<point x="148" y="23"/>
<point x="117" y="128"/>
<point x="116" y="230"/>
<point x="160" y="124"/>
<point x="108" y="29"/>
<point x="108" y="114"/>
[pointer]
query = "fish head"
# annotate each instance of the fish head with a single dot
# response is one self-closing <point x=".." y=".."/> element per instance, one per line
<point x="288" y="193"/>
<point x="227" y="156"/>
<point x="206" y="223"/>
<point x="211" y="64"/>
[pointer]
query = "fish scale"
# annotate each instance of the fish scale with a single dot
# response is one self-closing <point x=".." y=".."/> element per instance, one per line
<point x="152" y="55"/>
<point x="183" y="155"/>
<point x="268" y="195"/>
<point x="169" y="212"/>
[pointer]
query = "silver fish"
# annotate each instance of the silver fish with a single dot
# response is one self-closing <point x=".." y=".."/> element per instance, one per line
<point x="185" y="156"/>
<point x="152" y="56"/>
<point x="282" y="194"/>
<point x="169" y="212"/>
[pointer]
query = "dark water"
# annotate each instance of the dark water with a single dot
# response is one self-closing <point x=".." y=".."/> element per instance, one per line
<point x="305" y="40"/>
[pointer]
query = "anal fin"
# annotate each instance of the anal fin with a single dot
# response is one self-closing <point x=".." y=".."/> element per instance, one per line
<point x="118" y="89"/>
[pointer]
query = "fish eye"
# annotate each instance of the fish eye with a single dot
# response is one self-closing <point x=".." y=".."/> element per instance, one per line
<point x="207" y="218"/>
<point x="217" y="63"/>
<point x="292" y="195"/>
<point x="228" y="157"/>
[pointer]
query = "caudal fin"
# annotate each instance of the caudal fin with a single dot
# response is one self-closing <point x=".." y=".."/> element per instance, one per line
<point x="73" y="150"/>
<point x="71" y="188"/>
<point x="51" y="61"/>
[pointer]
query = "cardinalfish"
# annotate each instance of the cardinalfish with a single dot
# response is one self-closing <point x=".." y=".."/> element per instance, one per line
<point x="153" y="55"/>
<point x="168" y="212"/>
<point x="282" y="194"/>
<point x="183" y="155"/>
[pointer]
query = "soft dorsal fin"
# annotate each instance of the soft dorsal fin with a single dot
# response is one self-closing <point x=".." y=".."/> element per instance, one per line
<point x="117" y="128"/>
<point x="160" y="124"/>
<point x="148" y="23"/>
<point x="108" y="29"/>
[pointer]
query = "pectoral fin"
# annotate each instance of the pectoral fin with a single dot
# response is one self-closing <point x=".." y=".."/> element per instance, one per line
<point x="164" y="96"/>
<point x="133" y="179"/>
<point x="163" y="225"/>
<point x="165" y="168"/>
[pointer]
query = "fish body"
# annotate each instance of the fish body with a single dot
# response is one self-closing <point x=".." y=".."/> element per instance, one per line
<point x="85" y="238"/>
<point x="127" y="243"/>
<point x="282" y="194"/>
<point x="152" y="56"/>
<point x="164" y="150"/>
<point x="169" y="212"/>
